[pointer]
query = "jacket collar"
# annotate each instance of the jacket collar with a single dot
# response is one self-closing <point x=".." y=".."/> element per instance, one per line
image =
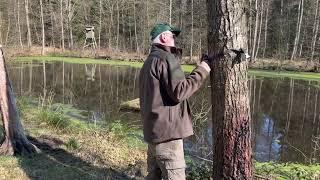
<point x="173" y="50"/>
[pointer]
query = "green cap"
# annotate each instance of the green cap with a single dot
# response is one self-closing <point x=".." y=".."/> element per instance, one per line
<point x="162" y="27"/>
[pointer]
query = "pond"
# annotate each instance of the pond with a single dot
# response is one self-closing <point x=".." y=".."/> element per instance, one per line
<point x="285" y="112"/>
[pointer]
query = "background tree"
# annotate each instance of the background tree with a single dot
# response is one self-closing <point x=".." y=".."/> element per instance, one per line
<point x="278" y="29"/>
<point x="227" y="29"/>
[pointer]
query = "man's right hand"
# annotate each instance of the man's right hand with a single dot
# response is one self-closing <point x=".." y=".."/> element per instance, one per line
<point x="205" y="62"/>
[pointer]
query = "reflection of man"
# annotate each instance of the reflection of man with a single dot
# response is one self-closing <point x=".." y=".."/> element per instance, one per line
<point x="165" y="111"/>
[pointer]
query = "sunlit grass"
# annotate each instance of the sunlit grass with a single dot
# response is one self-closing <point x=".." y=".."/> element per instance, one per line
<point x="288" y="170"/>
<point x="186" y="68"/>
<point x="294" y="75"/>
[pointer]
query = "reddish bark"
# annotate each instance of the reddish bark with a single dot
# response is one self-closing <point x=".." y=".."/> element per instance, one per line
<point x="230" y="93"/>
<point x="15" y="141"/>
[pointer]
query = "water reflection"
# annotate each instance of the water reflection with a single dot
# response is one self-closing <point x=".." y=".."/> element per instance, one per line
<point x="285" y="112"/>
<point x="267" y="142"/>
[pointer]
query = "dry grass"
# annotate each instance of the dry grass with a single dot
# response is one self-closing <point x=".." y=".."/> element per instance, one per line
<point x="99" y="154"/>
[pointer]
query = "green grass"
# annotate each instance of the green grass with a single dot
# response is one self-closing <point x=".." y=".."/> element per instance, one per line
<point x="130" y="135"/>
<point x="288" y="170"/>
<point x="186" y="68"/>
<point x="72" y="144"/>
<point x="197" y="169"/>
<point x="294" y="75"/>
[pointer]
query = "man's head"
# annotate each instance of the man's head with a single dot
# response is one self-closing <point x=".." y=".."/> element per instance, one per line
<point x="164" y="34"/>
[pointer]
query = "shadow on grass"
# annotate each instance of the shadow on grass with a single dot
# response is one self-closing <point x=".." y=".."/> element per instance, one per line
<point x="56" y="163"/>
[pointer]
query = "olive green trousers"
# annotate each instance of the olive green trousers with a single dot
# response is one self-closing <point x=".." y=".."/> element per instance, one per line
<point x="166" y="161"/>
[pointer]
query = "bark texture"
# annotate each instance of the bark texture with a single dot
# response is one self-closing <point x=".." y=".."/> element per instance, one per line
<point x="230" y="93"/>
<point x="15" y="141"/>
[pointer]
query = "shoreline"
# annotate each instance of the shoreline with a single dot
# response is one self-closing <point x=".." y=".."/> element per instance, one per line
<point x="314" y="76"/>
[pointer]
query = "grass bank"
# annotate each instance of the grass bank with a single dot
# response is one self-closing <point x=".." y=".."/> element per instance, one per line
<point x="186" y="68"/>
<point x="73" y="148"/>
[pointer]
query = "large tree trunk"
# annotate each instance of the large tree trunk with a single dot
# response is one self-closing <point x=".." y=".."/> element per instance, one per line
<point x="230" y="93"/>
<point x="15" y="141"/>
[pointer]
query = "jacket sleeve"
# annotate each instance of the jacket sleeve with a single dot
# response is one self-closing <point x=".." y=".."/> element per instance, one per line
<point x="178" y="86"/>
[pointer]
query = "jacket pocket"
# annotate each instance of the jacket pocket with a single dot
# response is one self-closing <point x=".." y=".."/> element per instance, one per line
<point x="175" y="113"/>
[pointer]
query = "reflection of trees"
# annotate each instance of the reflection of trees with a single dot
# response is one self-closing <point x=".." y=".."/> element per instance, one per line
<point x="267" y="145"/>
<point x="21" y="80"/>
<point x="305" y="109"/>
<point x="291" y="116"/>
<point x="30" y="77"/>
<point x="289" y="109"/>
<point x="44" y="83"/>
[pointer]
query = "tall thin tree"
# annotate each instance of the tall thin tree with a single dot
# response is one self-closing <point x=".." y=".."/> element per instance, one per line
<point x="135" y="26"/>
<point x="266" y="29"/>
<point x="191" y="43"/>
<point x="19" y="24"/>
<point x="29" y="41"/>
<point x="100" y="24"/>
<point x="42" y="27"/>
<point x="298" y="29"/>
<point x="255" y="35"/>
<point x="61" y="24"/>
<point x="315" y="30"/>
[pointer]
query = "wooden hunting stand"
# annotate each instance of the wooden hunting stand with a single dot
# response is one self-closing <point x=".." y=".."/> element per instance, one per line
<point x="90" y="41"/>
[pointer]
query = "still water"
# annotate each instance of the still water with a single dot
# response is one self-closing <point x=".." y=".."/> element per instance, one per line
<point x="285" y="112"/>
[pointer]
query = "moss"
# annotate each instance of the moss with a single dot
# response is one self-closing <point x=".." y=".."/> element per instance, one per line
<point x="186" y="68"/>
<point x="197" y="169"/>
<point x="288" y="170"/>
<point x="279" y="74"/>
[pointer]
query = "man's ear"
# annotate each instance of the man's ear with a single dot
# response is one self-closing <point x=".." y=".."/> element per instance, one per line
<point x="163" y="38"/>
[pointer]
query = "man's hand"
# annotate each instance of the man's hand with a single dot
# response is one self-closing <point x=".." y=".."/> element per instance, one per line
<point x="205" y="58"/>
<point x="205" y="62"/>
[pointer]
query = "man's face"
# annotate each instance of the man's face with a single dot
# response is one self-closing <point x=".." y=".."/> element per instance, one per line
<point x="168" y="39"/>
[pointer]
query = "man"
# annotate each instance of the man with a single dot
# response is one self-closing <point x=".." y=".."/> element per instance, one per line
<point x="164" y="90"/>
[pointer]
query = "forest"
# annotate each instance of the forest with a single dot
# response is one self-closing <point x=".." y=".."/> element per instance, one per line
<point x="277" y="29"/>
